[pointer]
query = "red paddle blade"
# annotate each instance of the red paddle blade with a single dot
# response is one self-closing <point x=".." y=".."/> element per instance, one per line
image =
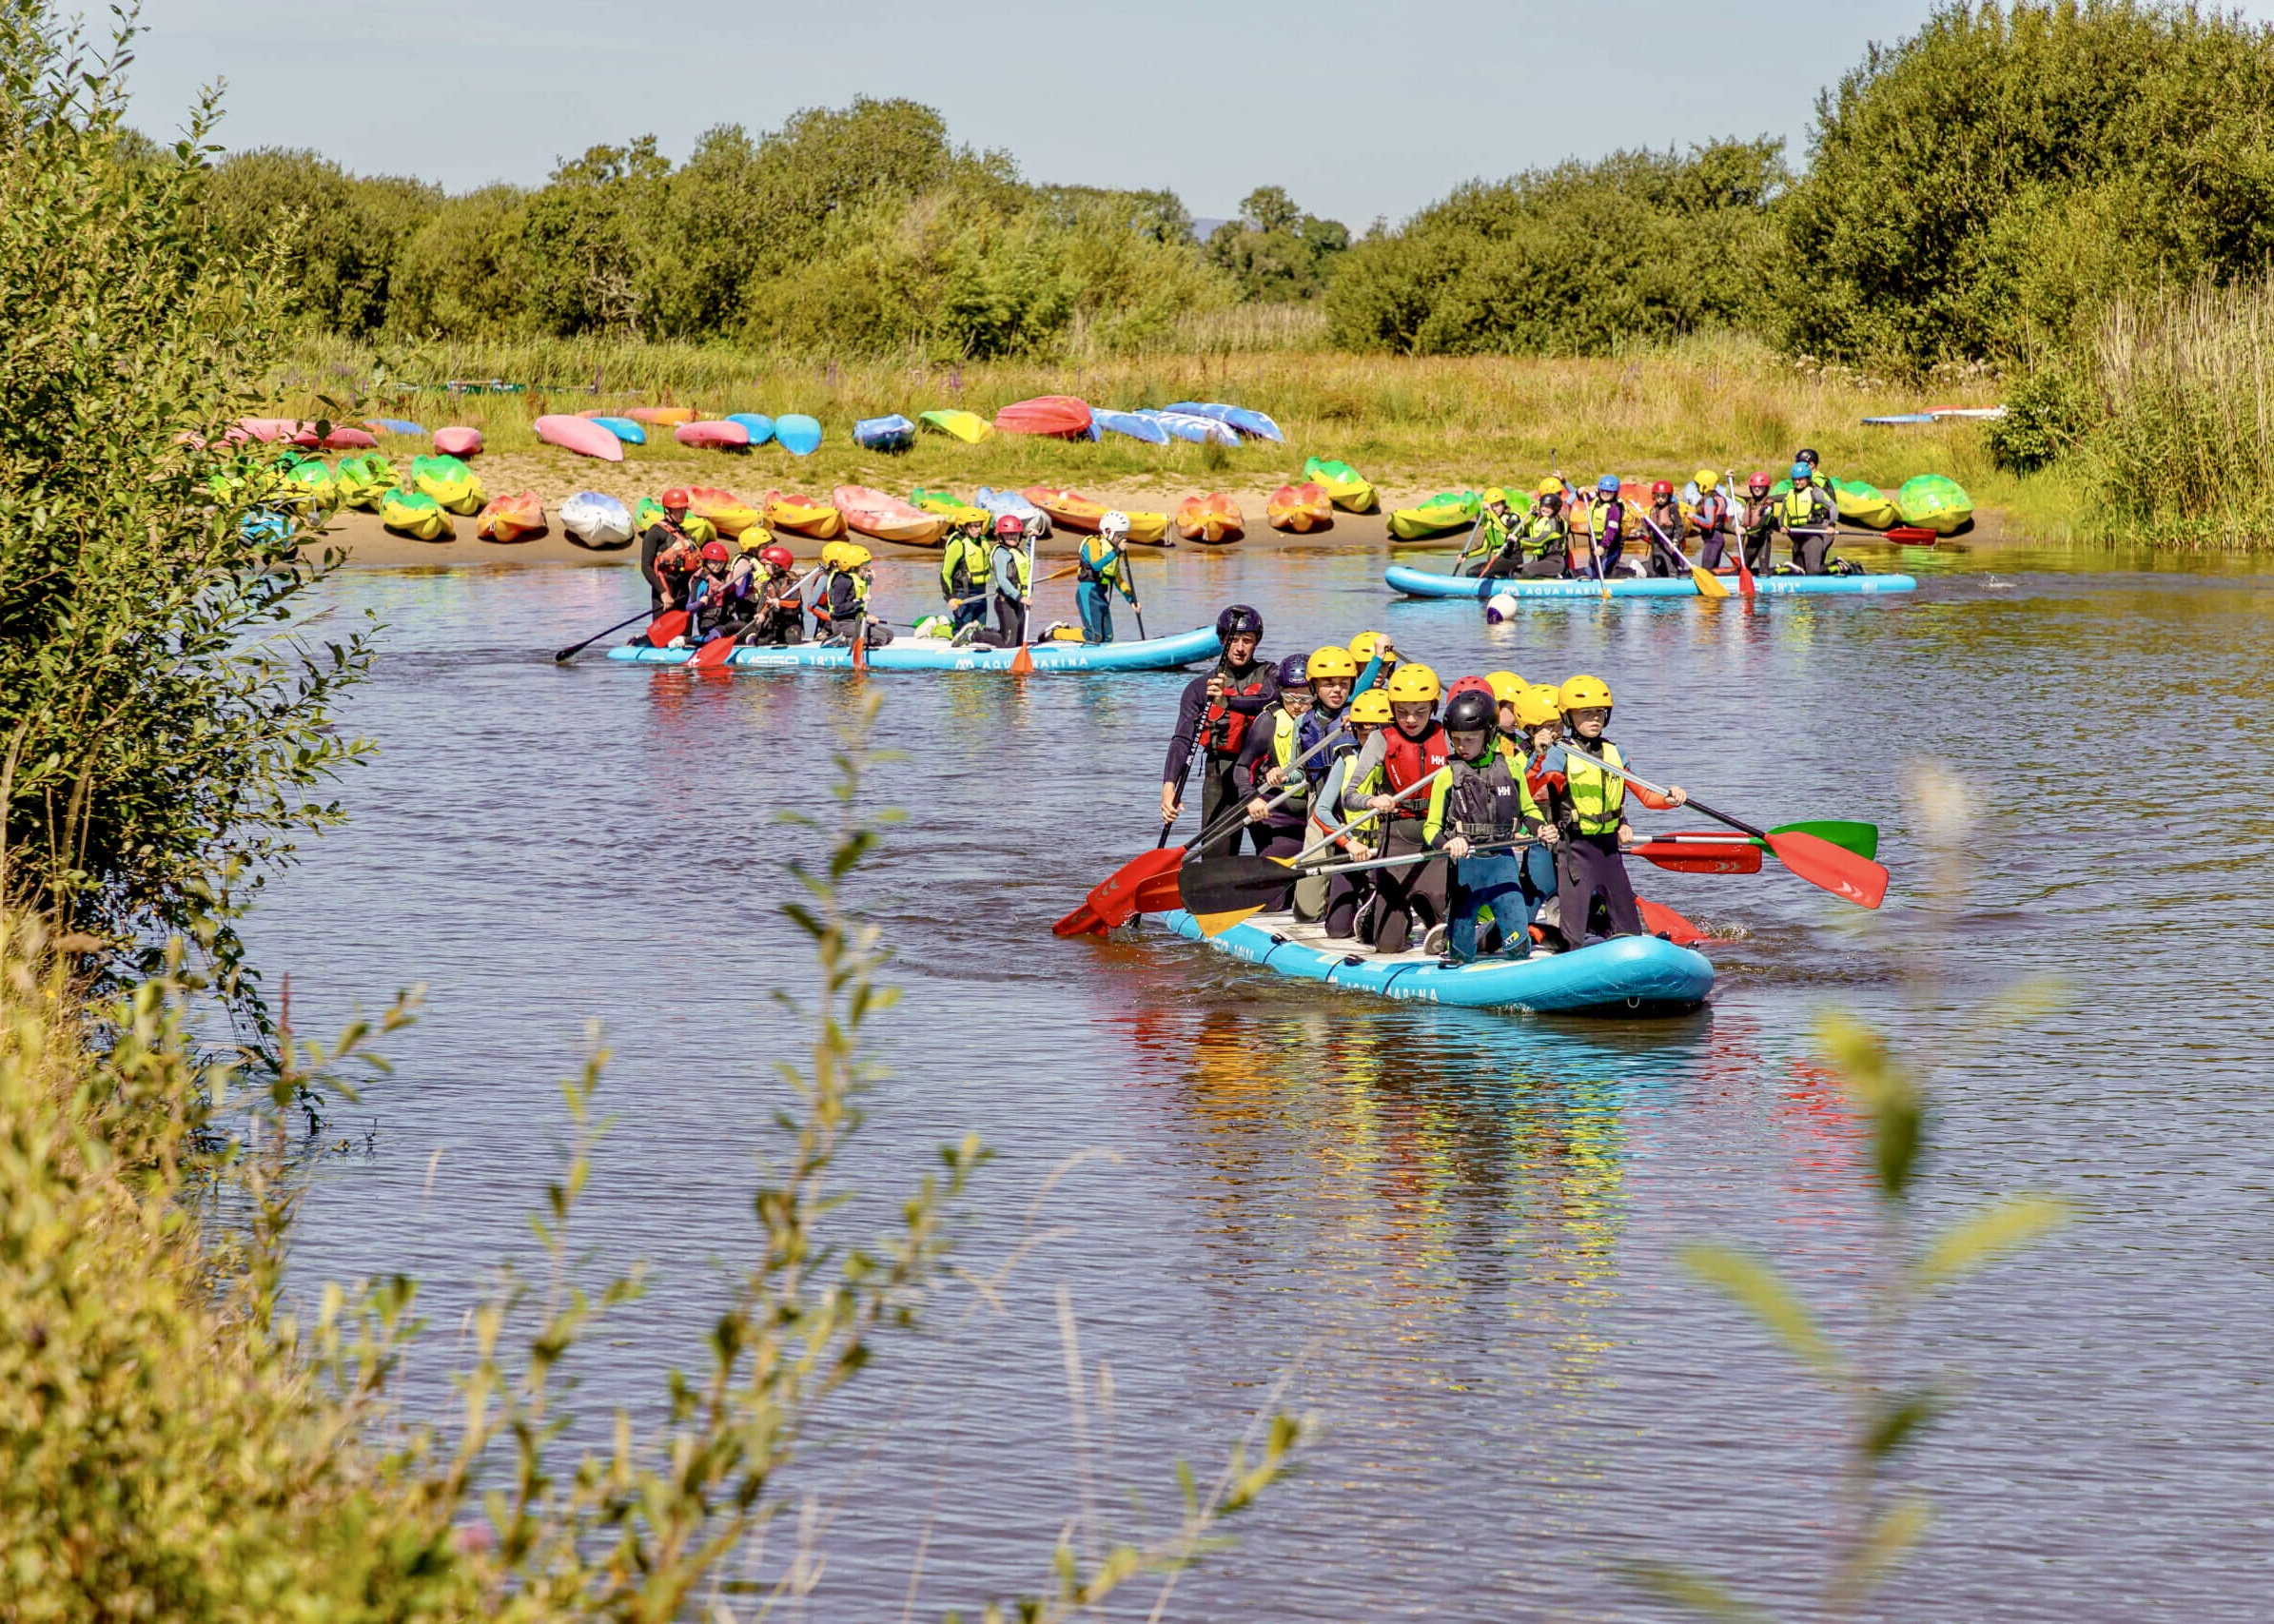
<point x="1022" y="663"/>
<point x="1117" y="901"/>
<point x="1082" y="921"/>
<point x="1163" y="894"/>
<point x="671" y="623"/>
<point x="1836" y="870"/>
<point x="1660" y="920"/>
<point x="713" y="653"/>
<point x="1700" y="857"/>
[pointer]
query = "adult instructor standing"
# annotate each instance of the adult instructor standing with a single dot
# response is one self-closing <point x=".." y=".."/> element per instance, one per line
<point x="1213" y="717"/>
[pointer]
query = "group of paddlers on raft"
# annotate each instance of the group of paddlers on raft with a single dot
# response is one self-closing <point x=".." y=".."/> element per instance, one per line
<point x="1568" y="533"/>
<point x="1504" y="793"/>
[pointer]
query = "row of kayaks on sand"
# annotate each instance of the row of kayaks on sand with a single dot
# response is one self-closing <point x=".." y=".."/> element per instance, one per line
<point x="604" y="433"/>
<point x="421" y="501"/>
<point x="1426" y="583"/>
<point x="1926" y="502"/>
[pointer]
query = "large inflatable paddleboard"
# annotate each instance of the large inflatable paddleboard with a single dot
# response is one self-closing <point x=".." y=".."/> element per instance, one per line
<point x="937" y="653"/>
<point x="1422" y="583"/>
<point x="1631" y="975"/>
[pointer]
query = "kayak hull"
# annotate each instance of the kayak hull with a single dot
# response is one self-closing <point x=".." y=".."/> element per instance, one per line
<point x="757" y="424"/>
<point x="969" y="427"/>
<point x="889" y="518"/>
<point x="1344" y="485"/>
<point x="931" y="654"/>
<point x="894" y="433"/>
<point x="1629" y="975"/>
<point x="596" y="519"/>
<point x="458" y="441"/>
<point x="1073" y="511"/>
<point x="797" y="434"/>
<point x="1132" y="425"/>
<point x="586" y="436"/>
<point x="1059" y="416"/>
<point x="1424" y="584"/>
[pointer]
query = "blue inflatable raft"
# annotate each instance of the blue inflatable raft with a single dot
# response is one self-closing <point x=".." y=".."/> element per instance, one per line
<point x="937" y="654"/>
<point x="1424" y="584"/>
<point x="1631" y="975"/>
<point x="894" y="433"/>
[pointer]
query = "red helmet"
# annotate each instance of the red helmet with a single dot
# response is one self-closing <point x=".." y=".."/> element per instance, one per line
<point x="674" y="500"/>
<point x="1008" y="525"/>
<point x="1468" y="685"/>
<point x="714" y="553"/>
<point x="1759" y="482"/>
<point x="1663" y="488"/>
<point x="778" y="556"/>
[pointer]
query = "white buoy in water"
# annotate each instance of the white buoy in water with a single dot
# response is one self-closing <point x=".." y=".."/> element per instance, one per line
<point x="1500" y="608"/>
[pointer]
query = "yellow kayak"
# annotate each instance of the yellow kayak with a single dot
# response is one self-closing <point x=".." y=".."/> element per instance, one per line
<point x="728" y="513"/>
<point x="1344" y="485"/>
<point x="450" y="483"/>
<point x="949" y="507"/>
<point x="1865" y="504"/>
<point x="416" y="515"/>
<point x="806" y="515"/>
<point x="1441" y="515"/>
<point x="969" y="427"/>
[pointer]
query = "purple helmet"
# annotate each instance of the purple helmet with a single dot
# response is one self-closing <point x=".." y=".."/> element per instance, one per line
<point x="1294" y="672"/>
<point x="1239" y="618"/>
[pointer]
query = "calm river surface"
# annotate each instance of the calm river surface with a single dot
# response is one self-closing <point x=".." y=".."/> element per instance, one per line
<point x="1454" y="1235"/>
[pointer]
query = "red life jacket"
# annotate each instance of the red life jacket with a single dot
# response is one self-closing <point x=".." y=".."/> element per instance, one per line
<point x="1408" y="761"/>
<point x="1234" y="723"/>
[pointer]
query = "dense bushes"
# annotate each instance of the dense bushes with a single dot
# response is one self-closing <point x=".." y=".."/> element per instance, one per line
<point x="1275" y="251"/>
<point x="1584" y="259"/>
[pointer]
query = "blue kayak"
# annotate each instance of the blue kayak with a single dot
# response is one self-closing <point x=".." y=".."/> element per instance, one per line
<point x="624" y="429"/>
<point x="1629" y="975"/>
<point x="797" y="434"/>
<point x="937" y="654"/>
<point x="1422" y="583"/>
<point x="1253" y="425"/>
<point x="1201" y="431"/>
<point x="758" y="425"/>
<point x="894" y="433"/>
<point x="1137" y="426"/>
<point x="394" y="426"/>
<point x="1010" y="502"/>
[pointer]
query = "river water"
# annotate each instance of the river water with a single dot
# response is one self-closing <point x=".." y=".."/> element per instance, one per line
<point x="1451" y="1237"/>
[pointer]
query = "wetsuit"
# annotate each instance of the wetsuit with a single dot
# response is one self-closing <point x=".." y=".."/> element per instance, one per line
<point x="1006" y="583"/>
<point x="1756" y="522"/>
<point x="1664" y="558"/>
<point x="711" y="608"/>
<point x="667" y="589"/>
<point x="1223" y="725"/>
<point x="1541" y="550"/>
<point x="1413" y="891"/>
<point x="1713" y="521"/>
<point x="781" y="615"/>
<point x="1485" y="801"/>
<point x="1338" y="897"/>
<point x="1274" y="741"/>
<point x="1587" y="806"/>
<point x="849" y="612"/>
<point x="1494" y="539"/>
<point x="1098" y="568"/>
<point x="1810" y="523"/>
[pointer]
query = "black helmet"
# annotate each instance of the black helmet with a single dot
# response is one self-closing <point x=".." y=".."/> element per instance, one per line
<point x="1471" y="712"/>
<point x="1808" y="455"/>
<point x="1236" y="619"/>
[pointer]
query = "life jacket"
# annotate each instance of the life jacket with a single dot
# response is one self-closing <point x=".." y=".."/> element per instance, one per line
<point x="1329" y="812"/>
<point x="1543" y="534"/>
<point x="1487" y="802"/>
<point x="1609" y="520"/>
<point x="1806" y="509"/>
<point x="1712" y="513"/>
<point x="1286" y="744"/>
<point x="1096" y="561"/>
<point x="1406" y="762"/>
<point x="963" y="567"/>
<point x="1018" y="565"/>
<point x="1583" y="797"/>
<point x="1221" y="718"/>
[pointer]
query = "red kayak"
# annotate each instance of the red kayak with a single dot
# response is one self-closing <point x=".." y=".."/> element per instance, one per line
<point x="1059" y="414"/>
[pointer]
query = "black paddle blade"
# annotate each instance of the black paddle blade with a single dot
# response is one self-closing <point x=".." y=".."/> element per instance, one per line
<point x="1228" y="885"/>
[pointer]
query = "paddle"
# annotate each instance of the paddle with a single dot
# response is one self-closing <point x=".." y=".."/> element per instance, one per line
<point x="1721" y="856"/>
<point x="1745" y="584"/>
<point x="1223" y="890"/>
<point x="1820" y="862"/>
<point x="1022" y="663"/>
<point x="562" y="657"/>
<point x="1703" y="579"/>
<point x="1270" y="875"/>
<point x="1199" y="743"/>
<point x="706" y="659"/>
<point x="1860" y="838"/>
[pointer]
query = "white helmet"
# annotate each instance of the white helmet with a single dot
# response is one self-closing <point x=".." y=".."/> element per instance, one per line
<point x="1115" y="523"/>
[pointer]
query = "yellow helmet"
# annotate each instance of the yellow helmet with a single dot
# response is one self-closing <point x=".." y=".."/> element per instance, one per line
<point x="1413" y="684"/>
<point x="1584" y="693"/>
<point x="1332" y="660"/>
<point x="1707" y="480"/>
<point x="1551" y="486"/>
<point x="1371" y="706"/>
<point x="1536" y="706"/>
<point x="756" y="537"/>
<point x="1506" y="685"/>
<point x="1366" y="645"/>
<point x="1495" y="494"/>
<point x="854" y="556"/>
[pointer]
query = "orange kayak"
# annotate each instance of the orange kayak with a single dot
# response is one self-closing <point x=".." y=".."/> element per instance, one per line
<point x="1301" y="508"/>
<point x="1077" y="511"/>
<point x="886" y="516"/>
<point x="728" y="513"/>
<point x="807" y="515"/>
<point x="512" y="519"/>
<point x="1211" y="519"/>
<point x="663" y="417"/>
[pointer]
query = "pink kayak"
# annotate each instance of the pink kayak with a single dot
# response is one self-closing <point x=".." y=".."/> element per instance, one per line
<point x="718" y="436"/>
<point x="580" y="434"/>
<point x="340" y="439"/>
<point x="874" y="513"/>
<point x="458" y="441"/>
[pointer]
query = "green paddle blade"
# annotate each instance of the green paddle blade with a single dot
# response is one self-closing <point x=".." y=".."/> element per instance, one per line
<point x="1860" y="838"/>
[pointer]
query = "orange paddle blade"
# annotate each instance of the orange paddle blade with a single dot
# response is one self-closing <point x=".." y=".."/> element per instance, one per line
<point x="1700" y="856"/>
<point x="860" y="650"/>
<point x="1836" y="869"/>
<point x="1659" y="920"/>
<point x="1082" y="921"/>
<point x="1022" y="663"/>
<point x="670" y="624"/>
<point x="1217" y="924"/>
<point x="713" y="653"/>
<point x="1120" y="896"/>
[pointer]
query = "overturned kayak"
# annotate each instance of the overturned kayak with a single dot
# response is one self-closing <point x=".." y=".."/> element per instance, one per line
<point x="1629" y="975"/>
<point x="937" y="653"/>
<point x="1422" y="583"/>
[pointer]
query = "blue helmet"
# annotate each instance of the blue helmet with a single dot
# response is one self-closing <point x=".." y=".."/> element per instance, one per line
<point x="1295" y="671"/>
<point x="1608" y="484"/>
<point x="1237" y="620"/>
<point x="1802" y="471"/>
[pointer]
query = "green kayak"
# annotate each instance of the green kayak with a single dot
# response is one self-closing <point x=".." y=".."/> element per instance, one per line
<point x="1344" y="486"/>
<point x="1864" y="504"/>
<point x="1441" y="515"/>
<point x="1935" y="503"/>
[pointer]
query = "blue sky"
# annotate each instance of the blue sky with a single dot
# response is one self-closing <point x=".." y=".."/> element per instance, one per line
<point x="1359" y="109"/>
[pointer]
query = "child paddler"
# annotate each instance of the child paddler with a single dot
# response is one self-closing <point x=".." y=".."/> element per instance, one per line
<point x="1214" y="717"/>
<point x="1480" y="805"/>
<point x="1412" y="748"/>
<point x="1348" y="785"/>
<point x="781" y="615"/>
<point x="1266" y="763"/>
<point x="1101" y="567"/>
<point x="1008" y="586"/>
<point x="1583" y="812"/>
<point x="962" y="574"/>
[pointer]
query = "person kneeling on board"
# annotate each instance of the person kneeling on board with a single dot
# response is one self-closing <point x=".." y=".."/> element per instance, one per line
<point x="1329" y="675"/>
<point x="1412" y="748"/>
<point x="1494" y="538"/>
<point x="1663" y="559"/>
<point x="711" y="607"/>
<point x="1756" y="522"/>
<point x="1353" y="777"/>
<point x="962" y="574"/>
<point x="1584" y="815"/>
<point x="1101" y="564"/>
<point x="1266" y="766"/>
<point x="1213" y="717"/>
<point x="1811" y="521"/>
<point x="1482" y="804"/>
<point x="1712" y="515"/>
<point x="847" y="593"/>
<point x="1540" y="547"/>
<point x="780" y="619"/>
<point x="1009" y="582"/>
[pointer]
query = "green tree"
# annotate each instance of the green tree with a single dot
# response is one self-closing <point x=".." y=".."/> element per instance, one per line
<point x="585" y="236"/>
<point x="1275" y="252"/>
<point x="465" y="271"/>
<point x="344" y="235"/>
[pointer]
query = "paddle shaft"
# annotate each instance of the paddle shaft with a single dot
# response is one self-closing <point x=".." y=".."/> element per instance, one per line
<point x="1422" y="857"/>
<point x="1729" y="480"/>
<point x="562" y="657"/>
<point x="1333" y="834"/>
<point x="1199" y="743"/>
<point x="1236" y="815"/>
<point x="1760" y="834"/>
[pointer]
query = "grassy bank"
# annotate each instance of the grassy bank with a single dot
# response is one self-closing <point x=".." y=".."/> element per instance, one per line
<point x="1413" y="426"/>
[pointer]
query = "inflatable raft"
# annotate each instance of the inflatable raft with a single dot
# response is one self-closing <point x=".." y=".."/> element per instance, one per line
<point x="1632" y="976"/>
<point x="1422" y="583"/>
<point x="937" y="654"/>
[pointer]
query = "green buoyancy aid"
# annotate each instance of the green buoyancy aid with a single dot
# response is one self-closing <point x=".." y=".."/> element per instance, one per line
<point x="1542" y="533"/>
<point x="1286" y="728"/>
<point x="963" y="567"/>
<point x="1809" y="509"/>
<point x="1597" y="798"/>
